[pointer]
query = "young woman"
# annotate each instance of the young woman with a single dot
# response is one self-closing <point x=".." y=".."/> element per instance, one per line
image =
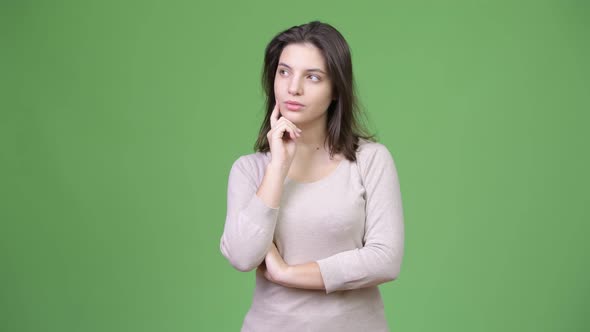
<point x="317" y="209"/>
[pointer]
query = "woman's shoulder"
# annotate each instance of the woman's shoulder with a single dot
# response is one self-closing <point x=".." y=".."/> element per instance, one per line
<point x="368" y="149"/>
<point x="373" y="156"/>
<point x="251" y="159"/>
<point x="252" y="163"/>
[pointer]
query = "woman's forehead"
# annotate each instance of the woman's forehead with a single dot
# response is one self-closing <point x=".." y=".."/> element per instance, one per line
<point x="304" y="57"/>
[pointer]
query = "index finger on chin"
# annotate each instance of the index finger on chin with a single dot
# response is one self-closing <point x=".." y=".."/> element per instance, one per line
<point x="274" y="116"/>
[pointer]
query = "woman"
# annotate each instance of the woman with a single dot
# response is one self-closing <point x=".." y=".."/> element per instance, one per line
<point x="317" y="209"/>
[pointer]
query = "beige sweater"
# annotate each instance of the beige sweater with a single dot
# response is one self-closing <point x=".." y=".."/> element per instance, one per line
<point x="350" y="223"/>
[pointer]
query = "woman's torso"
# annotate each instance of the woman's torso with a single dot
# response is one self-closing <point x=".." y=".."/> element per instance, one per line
<point x="317" y="220"/>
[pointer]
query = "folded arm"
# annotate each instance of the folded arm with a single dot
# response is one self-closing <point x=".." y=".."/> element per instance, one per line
<point x="379" y="260"/>
<point x="305" y="276"/>
<point x="250" y="223"/>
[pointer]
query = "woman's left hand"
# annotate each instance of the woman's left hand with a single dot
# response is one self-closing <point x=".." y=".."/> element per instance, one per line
<point x="276" y="268"/>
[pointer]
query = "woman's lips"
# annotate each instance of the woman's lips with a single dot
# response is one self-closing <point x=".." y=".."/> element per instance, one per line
<point x="293" y="106"/>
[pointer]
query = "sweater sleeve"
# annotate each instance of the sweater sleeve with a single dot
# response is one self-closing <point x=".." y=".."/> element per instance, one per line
<point x="380" y="258"/>
<point x="250" y="223"/>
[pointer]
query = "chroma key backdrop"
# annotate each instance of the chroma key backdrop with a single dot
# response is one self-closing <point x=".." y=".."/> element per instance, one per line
<point x="120" y="120"/>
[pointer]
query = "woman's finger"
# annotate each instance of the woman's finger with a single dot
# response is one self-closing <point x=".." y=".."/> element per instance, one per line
<point x="290" y="125"/>
<point x="274" y="116"/>
<point x="277" y="131"/>
<point x="283" y="128"/>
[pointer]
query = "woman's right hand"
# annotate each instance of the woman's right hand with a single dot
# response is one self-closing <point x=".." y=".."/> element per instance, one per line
<point x="282" y="139"/>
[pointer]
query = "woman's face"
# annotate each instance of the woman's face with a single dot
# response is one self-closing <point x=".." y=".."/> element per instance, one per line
<point x="302" y="78"/>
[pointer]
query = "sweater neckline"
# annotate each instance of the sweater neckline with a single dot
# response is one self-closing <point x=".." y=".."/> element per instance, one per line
<point x="324" y="179"/>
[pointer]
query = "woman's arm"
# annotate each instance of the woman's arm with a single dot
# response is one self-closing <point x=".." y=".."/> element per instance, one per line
<point x="305" y="276"/>
<point x="252" y="214"/>
<point x="379" y="260"/>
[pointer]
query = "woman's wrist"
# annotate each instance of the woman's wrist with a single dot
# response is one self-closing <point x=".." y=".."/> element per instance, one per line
<point x="271" y="187"/>
<point x="286" y="276"/>
<point x="278" y="168"/>
<point x="304" y="276"/>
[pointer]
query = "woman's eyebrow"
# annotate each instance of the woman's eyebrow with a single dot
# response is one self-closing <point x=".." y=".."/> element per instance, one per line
<point x="308" y="70"/>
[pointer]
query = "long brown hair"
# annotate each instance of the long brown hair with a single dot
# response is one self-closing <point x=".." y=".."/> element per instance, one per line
<point x="344" y="125"/>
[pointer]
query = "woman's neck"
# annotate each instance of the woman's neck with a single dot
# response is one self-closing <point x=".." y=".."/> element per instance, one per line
<point x="312" y="137"/>
<point x="312" y="144"/>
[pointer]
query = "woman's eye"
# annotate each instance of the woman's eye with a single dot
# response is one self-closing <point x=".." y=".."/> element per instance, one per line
<point x="314" y="78"/>
<point x="282" y="71"/>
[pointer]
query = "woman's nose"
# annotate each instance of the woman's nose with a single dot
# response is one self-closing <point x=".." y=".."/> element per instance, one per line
<point x="295" y="87"/>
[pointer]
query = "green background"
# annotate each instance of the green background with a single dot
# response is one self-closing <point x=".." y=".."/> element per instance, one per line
<point x="120" y="121"/>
